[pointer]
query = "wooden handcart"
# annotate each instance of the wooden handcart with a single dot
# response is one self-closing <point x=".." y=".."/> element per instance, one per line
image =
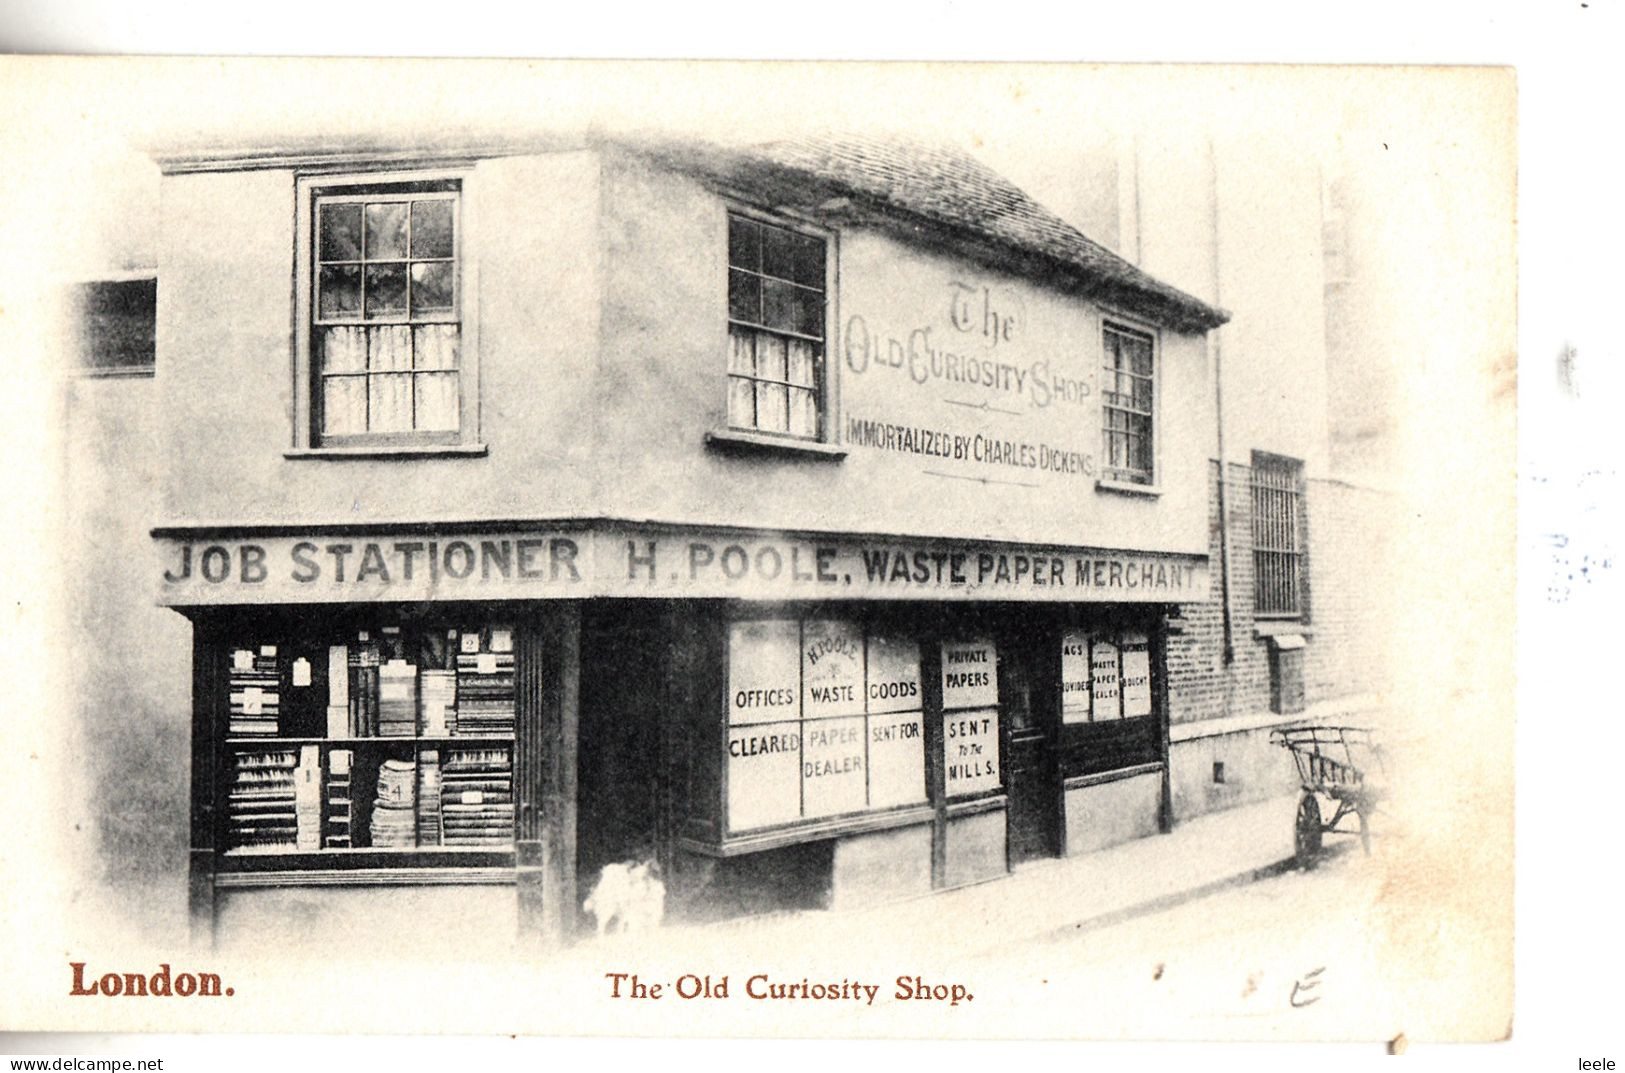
<point x="1343" y="764"/>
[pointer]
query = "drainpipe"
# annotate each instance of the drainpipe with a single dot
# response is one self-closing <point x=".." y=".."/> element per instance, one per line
<point x="1215" y="341"/>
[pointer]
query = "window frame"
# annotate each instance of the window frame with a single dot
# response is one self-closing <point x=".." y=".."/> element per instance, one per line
<point x="725" y="433"/>
<point x="356" y="186"/>
<point x="819" y="825"/>
<point x="1118" y="479"/>
<point x="1292" y="470"/>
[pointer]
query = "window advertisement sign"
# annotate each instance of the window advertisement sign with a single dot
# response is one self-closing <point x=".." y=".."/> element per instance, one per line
<point x="896" y="759"/>
<point x="970" y="751"/>
<point x="896" y="727"/>
<point x="833" y="775"/>
<point x="1104" y="673"/>
<point x="831" y="669"/>
<point x="1075" y="686"/>
<point x="764" y="671"/>
<point x="764" y="777"/>
<point x="1136" y="674"/>
<point x="969" y="674"/>
<point x="894" y="674"/>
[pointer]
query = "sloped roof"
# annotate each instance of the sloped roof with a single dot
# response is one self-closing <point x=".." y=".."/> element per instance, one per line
<point x="933" y="194"/>
<point x="941" y="195"/>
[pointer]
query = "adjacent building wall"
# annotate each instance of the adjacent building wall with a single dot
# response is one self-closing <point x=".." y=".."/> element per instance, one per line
<point x="128" y="662"/>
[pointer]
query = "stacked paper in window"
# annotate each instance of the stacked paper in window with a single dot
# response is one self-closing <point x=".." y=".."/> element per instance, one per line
<point x="397" y="699"/>
<point x="338" y="692"/>
<point x="485" y="683"/>
<point x="365" y="660"/>
<point x="340" y="813"/>
<point x="394" y="818"/>
<point x="438" y="698"/>
<point x="307" y="797"/>
<point x="429" y="803"/>
<point x="255" y="689"/>
<point x="477" y="797"/>
<point x="260" y="806"/>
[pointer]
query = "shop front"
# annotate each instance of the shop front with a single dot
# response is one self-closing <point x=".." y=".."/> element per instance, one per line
<point x="797" y="524"/>
<point x="771" y="720"/>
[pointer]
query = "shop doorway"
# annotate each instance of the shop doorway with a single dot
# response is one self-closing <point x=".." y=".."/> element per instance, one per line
<point x="619" y="753"/>
<point x="1030" y="768"/>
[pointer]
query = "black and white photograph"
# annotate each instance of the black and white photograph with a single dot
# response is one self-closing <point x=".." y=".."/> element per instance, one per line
<point x="801" y="550"/>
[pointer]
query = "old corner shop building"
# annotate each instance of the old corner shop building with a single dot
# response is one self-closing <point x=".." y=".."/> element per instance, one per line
<point x="806" y="518"/>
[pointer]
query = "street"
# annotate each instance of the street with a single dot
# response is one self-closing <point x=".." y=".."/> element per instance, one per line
<point x="1298" y="955"/>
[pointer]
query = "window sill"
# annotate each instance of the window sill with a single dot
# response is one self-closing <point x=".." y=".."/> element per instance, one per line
<point x="453" y="450"/>
<point x="116" y="372"/>
<point x="733" y="439"/>
<point x="1266" y="627"/>
<point x="814" y="831"/>
<point x="1127" y="488"/>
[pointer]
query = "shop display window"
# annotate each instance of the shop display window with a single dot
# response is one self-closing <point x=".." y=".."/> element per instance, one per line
<point x="824" y="719"/>
<point x="1105" y="675"/>
<point x="393" y="741"/>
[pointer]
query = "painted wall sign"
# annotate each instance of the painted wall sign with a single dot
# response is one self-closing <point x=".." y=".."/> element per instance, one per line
<point x="956" y="373"/>
<point x="1136" y="684"/>
<point x="1075" y="686"/>
<point x="629" y="561"/>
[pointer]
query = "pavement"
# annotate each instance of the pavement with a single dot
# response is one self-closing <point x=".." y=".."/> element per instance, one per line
<point x="1044" y="899"/>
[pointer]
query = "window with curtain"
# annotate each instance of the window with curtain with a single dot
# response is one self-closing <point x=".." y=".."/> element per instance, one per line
<point x="776" y="297"/>
<point x="386" y="328"/>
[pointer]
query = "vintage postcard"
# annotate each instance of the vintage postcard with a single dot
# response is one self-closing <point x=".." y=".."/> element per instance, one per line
<point x="776" y="549"/>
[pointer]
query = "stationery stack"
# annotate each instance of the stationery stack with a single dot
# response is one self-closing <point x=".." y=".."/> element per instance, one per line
<point x="429" y="803"/>
<point x="364" y="677"/>
<point x="485" y="683"/>
<point x="438" y="697"/>
<point x="394" y="821"/>
<point x="397" y="699"/>
<point x="261" y="802"/>
<point x="338" y="692"/>
<point x="255" y="692"/>
<point x="307" y="798"/>
<point x="477" y="797"/>
<point x="340" y="813"/>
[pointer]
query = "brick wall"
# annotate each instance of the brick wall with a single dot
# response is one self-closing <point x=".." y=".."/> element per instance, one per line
<point x="1344" y="595"/>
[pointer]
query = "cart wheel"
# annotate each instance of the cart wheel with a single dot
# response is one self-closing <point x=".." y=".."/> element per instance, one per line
<point x="1365" y="832"/>
<point x="1306" y="836"/>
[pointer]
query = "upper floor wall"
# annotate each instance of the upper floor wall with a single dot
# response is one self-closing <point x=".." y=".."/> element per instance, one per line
<point x="957" y="398"/>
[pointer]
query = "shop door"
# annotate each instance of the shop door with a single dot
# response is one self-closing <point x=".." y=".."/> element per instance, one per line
<point x="618" y="758"/>
<point x="1030" y="779"/>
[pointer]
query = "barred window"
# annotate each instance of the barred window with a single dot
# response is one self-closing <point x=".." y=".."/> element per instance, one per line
<point x="1126" y="394"/>
<point x="385" y="324"/>
<point x="775" y="329"/>
<point x="1278" y="544"/>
